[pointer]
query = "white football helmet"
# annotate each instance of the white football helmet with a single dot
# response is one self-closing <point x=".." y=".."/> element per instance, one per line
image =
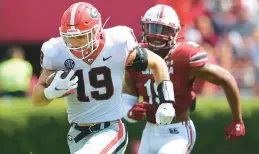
<point x="160" y="26"/>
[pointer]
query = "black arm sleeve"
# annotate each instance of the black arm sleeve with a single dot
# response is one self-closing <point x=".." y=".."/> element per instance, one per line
<point x="141" y="60"/>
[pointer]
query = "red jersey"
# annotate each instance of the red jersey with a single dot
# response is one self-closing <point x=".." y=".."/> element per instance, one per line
<point x="180" y="60"/>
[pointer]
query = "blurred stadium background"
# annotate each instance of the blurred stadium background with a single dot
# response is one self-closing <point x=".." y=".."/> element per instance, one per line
<point x="227" y="29"/>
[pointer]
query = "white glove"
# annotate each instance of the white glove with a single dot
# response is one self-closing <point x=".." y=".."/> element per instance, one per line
<point x="165" y="114"/>
<point x="60" y="87"/>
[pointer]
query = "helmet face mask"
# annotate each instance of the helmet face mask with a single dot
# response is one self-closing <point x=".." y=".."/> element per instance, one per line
<point x="159" y="35"/>
<point x="80" y="27"/>
<point x="160" y="30"/>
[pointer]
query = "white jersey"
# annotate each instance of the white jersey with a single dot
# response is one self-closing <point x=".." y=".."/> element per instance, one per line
<point x="98" y="97"/>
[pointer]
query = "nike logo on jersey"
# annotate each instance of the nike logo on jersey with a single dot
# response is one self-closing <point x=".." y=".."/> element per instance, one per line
<point x="104" y="59"/>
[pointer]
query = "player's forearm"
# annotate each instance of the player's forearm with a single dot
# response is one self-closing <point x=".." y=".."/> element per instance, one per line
<point x="38" y="97"/>
<point x="159" y="69"/>
<point x="232" y="93"/>
<point x="219" y="76"/>
<point x="129" y="86"/>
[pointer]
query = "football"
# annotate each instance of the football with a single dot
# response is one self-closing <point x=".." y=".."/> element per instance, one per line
<point x="52" y="76"/>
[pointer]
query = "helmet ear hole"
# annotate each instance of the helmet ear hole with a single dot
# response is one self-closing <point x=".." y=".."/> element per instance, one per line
<point x="142" y="26"/>
<point x="177" y="29"/>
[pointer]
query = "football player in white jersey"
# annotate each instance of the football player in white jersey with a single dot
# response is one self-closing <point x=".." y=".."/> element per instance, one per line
<point x="98" y="58"/>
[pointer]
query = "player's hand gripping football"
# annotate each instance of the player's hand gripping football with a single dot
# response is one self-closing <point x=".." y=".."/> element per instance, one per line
<point x="61" y="86"/>
<point x="165" y="114"/>
<point x="235" y="130"/>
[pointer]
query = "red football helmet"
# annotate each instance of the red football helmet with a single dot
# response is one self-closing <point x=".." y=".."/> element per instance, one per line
<point x="81" y="27"/>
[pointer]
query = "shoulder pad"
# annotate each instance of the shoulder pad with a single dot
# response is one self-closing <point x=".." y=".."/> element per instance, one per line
<point x="49" y="50"/>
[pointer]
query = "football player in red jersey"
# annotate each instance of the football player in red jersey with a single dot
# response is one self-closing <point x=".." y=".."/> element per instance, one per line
<point x="186" y="61"/>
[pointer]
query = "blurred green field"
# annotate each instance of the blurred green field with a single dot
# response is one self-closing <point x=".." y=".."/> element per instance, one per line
<point x="40" y="130"/>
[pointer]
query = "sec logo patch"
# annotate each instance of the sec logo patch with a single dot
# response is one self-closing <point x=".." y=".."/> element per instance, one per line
<point x="69" y="64"/>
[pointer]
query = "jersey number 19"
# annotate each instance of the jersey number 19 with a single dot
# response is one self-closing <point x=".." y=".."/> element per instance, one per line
<point x="105" y="82"/>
